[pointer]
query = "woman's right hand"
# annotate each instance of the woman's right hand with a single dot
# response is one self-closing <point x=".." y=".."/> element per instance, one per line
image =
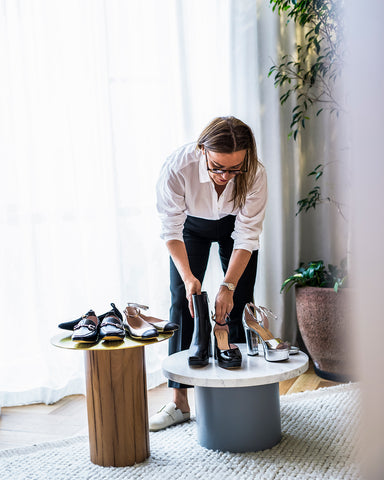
<point x="180" y="258"/>
<point x="192" y="286"/>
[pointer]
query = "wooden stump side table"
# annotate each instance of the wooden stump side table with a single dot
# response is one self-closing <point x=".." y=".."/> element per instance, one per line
<point x="116" y="392"/>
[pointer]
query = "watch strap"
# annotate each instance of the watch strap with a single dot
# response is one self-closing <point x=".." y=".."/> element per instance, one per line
<point x="229" y="285"/>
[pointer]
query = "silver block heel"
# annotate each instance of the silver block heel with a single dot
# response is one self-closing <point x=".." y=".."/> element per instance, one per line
<point x="252" y="341"/>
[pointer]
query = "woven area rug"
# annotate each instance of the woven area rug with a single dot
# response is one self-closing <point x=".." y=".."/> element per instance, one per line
<point x="319" y="442"/>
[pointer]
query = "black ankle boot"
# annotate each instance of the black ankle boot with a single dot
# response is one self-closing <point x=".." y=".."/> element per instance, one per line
<point x="200" y="346"/>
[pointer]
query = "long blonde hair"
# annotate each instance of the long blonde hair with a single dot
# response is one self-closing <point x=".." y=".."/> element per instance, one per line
<point x="228" y="135"/>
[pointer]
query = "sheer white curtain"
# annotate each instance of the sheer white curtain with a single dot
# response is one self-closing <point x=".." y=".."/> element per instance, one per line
<point x="58" y="203"/>
<point x="93" y="96"/>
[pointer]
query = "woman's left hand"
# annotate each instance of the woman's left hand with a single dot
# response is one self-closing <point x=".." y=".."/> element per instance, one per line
<point x="223" y="304"/>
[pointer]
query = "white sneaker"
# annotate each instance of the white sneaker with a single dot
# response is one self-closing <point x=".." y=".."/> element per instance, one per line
<point x="167" y="416"/>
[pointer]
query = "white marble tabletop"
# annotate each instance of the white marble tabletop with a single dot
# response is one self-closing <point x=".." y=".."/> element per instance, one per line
<point x="254" y="370"/>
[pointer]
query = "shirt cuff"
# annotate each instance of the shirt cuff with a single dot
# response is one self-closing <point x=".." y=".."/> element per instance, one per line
<point x="172" y="236"/>
<point x="250" y="246"/>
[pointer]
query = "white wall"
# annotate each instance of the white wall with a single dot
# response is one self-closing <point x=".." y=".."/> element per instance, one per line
<point x="364" y="29"/>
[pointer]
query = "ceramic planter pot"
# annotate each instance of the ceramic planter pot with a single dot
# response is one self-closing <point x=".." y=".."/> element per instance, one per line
<point x="324" y="318"/>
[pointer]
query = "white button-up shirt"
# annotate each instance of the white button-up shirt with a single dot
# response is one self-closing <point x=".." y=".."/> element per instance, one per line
<point x="185" y="188"/>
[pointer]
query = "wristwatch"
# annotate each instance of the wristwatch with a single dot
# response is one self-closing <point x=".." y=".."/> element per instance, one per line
<point x="230" y="286"/>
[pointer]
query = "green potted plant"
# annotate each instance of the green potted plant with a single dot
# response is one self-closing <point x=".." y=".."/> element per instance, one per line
<point x="315" y="274"/>
<point x="306" y="80"/>
<point x="323" y="316"/>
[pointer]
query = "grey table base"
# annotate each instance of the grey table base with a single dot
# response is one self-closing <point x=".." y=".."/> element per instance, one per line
<point x="238" y="420"/>
<point x="237" y="410"/>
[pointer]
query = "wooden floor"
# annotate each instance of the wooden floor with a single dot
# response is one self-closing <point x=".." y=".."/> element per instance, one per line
<point x="31" y="424"/>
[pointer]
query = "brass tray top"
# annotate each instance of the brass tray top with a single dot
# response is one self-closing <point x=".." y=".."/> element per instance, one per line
<point x="64" y="340"/>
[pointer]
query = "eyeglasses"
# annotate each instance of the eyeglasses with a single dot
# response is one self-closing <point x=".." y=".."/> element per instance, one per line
<point x="219" y="171"/>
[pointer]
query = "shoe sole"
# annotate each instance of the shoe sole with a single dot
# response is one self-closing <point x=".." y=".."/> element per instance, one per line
<point x="141" y="338"/>
<point x="168" y="426"/>
<point x="84" y="341"/>
<point x="165" y="331"/>
<point x="237" y="365"/>
<point x="112" y="338"/>
<point x="198" y="363"/>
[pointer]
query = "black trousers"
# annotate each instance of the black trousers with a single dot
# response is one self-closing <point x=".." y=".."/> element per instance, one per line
<point x="198" y="236"/>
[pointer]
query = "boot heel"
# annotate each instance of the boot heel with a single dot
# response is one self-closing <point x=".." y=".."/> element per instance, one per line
<point x="210" y="347"/>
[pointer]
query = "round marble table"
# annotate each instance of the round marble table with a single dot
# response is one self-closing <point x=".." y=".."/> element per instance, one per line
<point x="116" y="398"/>
<point x="237" y="410"/>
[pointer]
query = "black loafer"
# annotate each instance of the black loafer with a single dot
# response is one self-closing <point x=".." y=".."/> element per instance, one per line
<point x="71" y="324"/>
<point x="112" y="327"/>
<point x="87" y="329"/>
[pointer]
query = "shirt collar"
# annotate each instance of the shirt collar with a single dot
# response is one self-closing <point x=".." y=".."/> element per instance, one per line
<point x="203" y="172"/>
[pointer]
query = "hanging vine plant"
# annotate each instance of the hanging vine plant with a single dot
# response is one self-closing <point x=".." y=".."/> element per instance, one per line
<point x="308" y="77"/>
